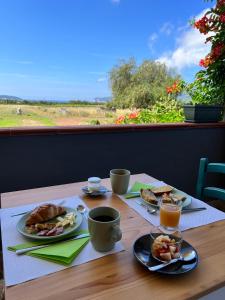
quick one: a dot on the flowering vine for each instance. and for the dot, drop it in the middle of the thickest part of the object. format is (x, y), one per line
(209, 84)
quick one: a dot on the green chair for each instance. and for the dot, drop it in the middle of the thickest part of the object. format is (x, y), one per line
(202, 192)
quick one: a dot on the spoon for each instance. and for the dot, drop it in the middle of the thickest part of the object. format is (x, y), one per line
(149, 210)
(186, 257)
(82, 209)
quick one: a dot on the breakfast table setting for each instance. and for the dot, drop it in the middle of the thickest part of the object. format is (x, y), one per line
(111, 238)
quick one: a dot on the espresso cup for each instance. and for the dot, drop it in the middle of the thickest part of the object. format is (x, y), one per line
(119, 180)
(103, 226)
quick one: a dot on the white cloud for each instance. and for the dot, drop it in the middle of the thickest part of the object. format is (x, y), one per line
(151, 40)
(167, 28)
(190, 49)
(101, 79)
(115, 1)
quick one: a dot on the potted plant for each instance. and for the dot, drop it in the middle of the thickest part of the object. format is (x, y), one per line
(207, 92)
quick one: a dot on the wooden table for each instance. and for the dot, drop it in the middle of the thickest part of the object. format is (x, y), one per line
(120, 276)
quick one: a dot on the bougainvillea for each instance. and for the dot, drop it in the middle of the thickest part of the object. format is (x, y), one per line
(211, 87)
(209, 84)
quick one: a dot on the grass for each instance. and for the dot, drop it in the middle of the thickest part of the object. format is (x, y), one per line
(55, 115)
(10, 122)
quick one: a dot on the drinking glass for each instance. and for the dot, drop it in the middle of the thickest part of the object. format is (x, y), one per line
(170, 216)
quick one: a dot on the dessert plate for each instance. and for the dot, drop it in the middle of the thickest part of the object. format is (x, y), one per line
(21, 227)
(142, 252)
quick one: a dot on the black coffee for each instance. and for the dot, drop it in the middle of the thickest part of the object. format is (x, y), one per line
(103, 218)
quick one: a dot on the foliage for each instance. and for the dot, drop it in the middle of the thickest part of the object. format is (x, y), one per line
(209, 85)
(165, 110)
(95, 122)
(139, 86)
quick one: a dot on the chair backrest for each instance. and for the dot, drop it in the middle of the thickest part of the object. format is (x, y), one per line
(201, 189)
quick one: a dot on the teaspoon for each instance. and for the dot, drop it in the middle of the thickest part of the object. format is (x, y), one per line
(82, 210)
(186, 257)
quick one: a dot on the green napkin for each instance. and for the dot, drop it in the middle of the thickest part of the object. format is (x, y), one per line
(61, 252)
(136, 188)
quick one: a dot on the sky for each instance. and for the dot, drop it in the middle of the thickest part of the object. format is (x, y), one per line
(64, 49)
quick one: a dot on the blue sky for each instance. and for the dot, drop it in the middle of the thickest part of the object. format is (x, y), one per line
(64, 49)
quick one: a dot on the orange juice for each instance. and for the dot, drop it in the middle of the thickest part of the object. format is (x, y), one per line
(169, 215)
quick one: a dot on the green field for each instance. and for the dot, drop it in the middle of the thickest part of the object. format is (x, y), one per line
(55, 115)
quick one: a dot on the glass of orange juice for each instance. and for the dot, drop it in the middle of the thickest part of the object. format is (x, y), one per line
(170, 216)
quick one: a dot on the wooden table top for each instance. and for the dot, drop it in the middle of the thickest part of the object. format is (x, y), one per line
(120, 276)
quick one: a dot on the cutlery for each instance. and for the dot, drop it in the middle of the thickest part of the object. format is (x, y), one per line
(186, 257)
(149, 210)
(186, 210)
(29, 211)
(22, 251)
(82, 209)
(134, 193)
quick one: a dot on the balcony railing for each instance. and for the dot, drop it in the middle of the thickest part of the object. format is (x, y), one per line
(36, 157)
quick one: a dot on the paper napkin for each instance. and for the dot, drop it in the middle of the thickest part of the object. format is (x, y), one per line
(63, 252)
(136, 188)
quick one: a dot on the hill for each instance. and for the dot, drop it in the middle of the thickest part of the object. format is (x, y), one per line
(11, 98)
(103, 99)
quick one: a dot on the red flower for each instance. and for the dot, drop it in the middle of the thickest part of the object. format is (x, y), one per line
(202, 25)
(206, 61)
(120, 120)
(217, 50)
(222, 18)
(169, 90)
(220, 3)
(202, 62)
(133, 115)
(175, 88)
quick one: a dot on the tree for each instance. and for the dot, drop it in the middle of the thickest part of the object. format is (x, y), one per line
(139, 86)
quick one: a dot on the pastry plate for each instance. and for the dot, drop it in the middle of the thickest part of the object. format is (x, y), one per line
(100, 192)
(142, 252)
(67, 230)
(186, 202)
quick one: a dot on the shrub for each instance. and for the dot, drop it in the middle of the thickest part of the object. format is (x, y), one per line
(165, 110)
(95, 122)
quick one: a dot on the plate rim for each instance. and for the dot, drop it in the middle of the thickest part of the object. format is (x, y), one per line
(48, 238)
(161, 270)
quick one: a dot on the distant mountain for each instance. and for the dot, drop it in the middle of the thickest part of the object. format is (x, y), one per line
(103, 99)
(7, 97)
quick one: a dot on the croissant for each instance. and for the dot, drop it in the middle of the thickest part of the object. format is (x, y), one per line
(44, 213)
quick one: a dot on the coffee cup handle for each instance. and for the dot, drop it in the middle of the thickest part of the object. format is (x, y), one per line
(117, 233)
